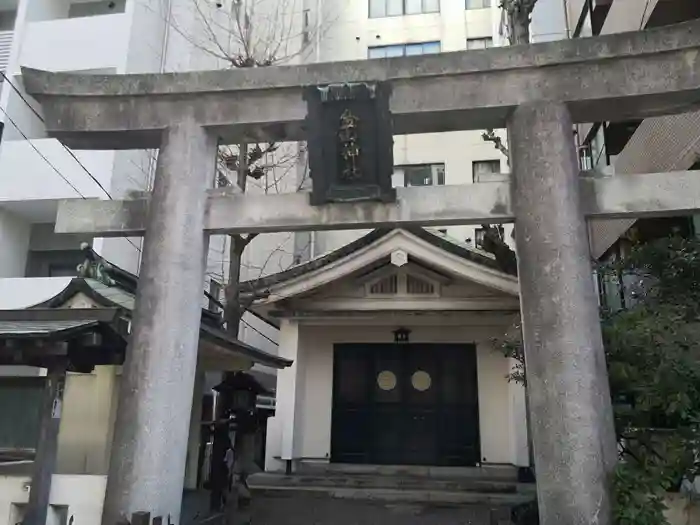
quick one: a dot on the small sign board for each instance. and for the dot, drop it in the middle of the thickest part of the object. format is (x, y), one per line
(350, 142)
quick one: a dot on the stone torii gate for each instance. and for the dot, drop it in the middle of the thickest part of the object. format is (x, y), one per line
(537, 91)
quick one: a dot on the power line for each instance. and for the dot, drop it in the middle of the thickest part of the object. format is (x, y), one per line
(41, 118)
(221, 305)
(41, 154)
(259, 332)
(644, 14)
(70, 152)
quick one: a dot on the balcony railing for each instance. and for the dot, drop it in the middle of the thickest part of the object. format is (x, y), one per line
(5, 48)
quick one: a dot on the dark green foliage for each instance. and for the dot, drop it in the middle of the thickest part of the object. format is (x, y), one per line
(653, 354)
(525, 514)
(652, 347)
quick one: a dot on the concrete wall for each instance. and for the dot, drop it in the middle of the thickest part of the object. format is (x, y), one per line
(682, 510)
(501, 405)
(39, 180)
(83, 43)
(80, 497)
(551, 21)
(14, 242)
(43, 237)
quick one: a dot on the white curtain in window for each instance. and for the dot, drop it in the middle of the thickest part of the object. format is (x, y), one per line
(377, 8)
(414, 49)
(414, 7)
(477, 4)
(488, 171)
(431, 6)
(394, 51)
(479, 43)
(394, 7)
(376, 52)
(431, 47)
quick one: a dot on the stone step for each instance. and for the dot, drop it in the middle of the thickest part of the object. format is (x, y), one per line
(371, 482)
(317, 508)
(417, 496)
(499, 472)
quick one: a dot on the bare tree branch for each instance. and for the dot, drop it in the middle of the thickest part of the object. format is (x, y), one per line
(490, 136)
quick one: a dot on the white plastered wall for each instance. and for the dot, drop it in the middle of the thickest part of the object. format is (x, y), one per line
(502, 422)
(82, 495)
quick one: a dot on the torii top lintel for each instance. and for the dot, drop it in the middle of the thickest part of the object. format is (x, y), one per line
(605, 78)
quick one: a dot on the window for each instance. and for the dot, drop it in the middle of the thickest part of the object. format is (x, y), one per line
(381, 8)
(215, 292)
(479, 234)
(306, 25)
(593, 153)
(103, 7)
(488, 171)
(7, 20)
(419, 175)
(478, 4)
(20, 406)
(400, 50)
(479, 43)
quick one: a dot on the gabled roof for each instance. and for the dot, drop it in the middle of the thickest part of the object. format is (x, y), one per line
(435, 238)
(115, 297)
(115, 283)
(114, 288)
(437, 250)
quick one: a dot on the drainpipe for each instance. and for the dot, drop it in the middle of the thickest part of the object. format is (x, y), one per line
(566, 18)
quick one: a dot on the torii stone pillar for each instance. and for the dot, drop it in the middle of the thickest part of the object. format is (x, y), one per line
(571, 410)
(147, 466)
(572, 421)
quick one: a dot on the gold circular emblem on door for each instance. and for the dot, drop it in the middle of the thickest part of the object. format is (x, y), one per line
(386, 380)
(421, 380)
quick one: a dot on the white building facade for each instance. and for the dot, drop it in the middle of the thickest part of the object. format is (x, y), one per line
(138, 36)
(142, 36)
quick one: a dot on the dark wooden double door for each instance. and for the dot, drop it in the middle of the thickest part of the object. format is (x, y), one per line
(405, 404)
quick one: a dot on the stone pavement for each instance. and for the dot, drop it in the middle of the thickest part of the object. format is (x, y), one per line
(320, 509)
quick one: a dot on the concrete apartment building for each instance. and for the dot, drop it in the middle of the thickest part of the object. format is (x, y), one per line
(36, 265)
(670, 143)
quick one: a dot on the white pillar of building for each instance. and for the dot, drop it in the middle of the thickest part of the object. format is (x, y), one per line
(289, 392)
(518, 421)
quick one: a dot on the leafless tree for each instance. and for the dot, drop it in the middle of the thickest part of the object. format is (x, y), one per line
(518, 15)
(256, 33)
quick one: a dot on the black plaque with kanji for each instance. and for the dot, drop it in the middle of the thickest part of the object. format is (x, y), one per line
(350, 143)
